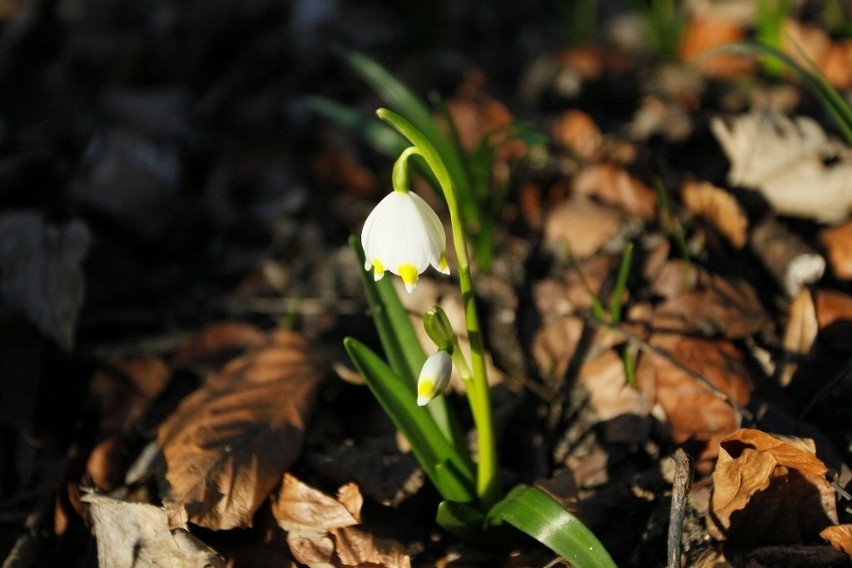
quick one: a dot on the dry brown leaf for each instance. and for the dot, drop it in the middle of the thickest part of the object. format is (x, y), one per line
(697, 301)
(838, 244)
(340, 169)
(576, 131)
(792, 162)
(705, 33)
(104, 465)
(800, 332)
(834, 315)
(609, 394)
(582, 225)
(615, 186)
(299, 505)
(225, 338)
(809, 44)
(839, 536)
(769, 490)
(137, 535)
(228, 443)
(692, 411)
(476, 116)
(719, 207)
(322, 530)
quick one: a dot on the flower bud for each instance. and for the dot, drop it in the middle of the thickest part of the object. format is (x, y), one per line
(438, 328)
(434, 377)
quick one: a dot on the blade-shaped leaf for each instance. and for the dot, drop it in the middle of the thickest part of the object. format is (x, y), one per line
(450, 471)
(378, 135)
(534, 512)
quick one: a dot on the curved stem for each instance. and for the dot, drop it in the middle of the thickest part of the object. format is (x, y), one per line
(487, 482)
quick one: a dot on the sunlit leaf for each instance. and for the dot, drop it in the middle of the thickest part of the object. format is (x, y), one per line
(534, 512)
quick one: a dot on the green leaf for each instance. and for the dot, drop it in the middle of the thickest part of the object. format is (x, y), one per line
(450, 471)
(534, 512)
(376, 133)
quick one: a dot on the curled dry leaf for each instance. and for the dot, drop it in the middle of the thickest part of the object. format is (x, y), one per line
(839, 536)
(779, 156)
(137, 535)
(693, 411)
(125, 388)
(769, 490)
(800, 332)
(615, 186)
(227, 444)
(322, 530)
(719, 207)
(838, 244)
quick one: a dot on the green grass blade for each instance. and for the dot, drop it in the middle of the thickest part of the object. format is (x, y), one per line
(620, 285)
(534, 512)
(450, 471)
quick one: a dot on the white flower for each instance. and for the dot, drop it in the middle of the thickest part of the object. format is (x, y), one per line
(434, 377)
(403, 235)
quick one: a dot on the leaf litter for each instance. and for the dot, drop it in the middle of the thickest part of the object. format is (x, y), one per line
(161, 278)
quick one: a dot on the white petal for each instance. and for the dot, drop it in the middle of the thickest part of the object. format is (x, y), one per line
(434, 377)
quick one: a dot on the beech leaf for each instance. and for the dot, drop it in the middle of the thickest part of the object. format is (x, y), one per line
(769, 490)
(228, 443)
(137, 535)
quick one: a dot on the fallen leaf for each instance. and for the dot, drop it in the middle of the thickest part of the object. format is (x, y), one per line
(322, 530)
(218, 340)
(779, 156)
(576, 131)
(838, 244)
(137, 535)
(800, 332)
(839, 536)
(41, 273)
(705, 33)
(809, 45)
(769, 490)
(719, 207)
(228, 443)
(609, 394)
(698, 301)
(124, 389)
(582, 225)
(692, 411)
(617, 187)
(299, 505)
(834, 317)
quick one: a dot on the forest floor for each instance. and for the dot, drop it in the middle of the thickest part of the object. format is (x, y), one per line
(176, 283)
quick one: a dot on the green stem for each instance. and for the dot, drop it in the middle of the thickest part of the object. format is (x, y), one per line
(487, 481)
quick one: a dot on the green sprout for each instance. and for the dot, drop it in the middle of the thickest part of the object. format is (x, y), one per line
(401, 237)
(664, 24)
(769, 26)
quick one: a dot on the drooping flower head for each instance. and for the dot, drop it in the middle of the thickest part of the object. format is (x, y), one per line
(404, 235)
(434, 377)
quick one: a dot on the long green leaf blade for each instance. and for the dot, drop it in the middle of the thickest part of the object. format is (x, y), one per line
(534, 512)
(449, 470)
